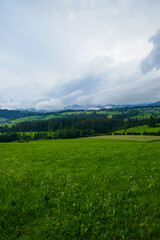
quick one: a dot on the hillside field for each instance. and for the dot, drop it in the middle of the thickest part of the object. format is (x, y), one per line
(80, 189)
(141, 129)
(136, 138)
(29, 118)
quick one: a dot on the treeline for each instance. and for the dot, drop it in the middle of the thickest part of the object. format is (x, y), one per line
(70, 128)
(59, 134)
(9, 137)
(59, 128)
(98, 125)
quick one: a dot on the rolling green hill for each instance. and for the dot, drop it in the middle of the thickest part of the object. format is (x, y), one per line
(136, 138)
(28, 118)
(3, 119)
(123, 113)
(141, 129)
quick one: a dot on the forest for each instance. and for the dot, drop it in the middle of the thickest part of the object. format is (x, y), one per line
(71, 127)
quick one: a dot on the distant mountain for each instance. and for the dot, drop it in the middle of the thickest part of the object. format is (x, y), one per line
(155, 104)
(98, 107)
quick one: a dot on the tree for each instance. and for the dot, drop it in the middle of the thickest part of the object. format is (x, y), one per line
(152, 122)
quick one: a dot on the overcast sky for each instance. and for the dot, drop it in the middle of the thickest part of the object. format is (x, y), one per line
(58, 53)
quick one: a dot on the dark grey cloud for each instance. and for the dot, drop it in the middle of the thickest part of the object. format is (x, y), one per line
(152, 61)
(86, 84)
(107, 82)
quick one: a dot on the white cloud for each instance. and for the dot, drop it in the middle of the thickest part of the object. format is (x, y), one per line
(50, 104)
(66, 52)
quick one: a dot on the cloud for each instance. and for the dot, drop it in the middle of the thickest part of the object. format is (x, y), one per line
(103, 79)
(108, 82)
(152, 61)
(50, 104)
(59, 53)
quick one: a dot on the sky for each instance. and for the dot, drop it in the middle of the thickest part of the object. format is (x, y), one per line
(59, 53)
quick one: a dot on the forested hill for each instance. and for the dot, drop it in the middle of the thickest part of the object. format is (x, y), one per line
(99, 124)
(14, 114)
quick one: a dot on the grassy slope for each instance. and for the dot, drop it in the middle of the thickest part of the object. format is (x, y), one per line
(141, 129)
(29, 118)
(137, 138)
(74, 113)
(51, 116)
(2, 119)
(80, 189)
(108, 113)
(143, 115)
(59, 115)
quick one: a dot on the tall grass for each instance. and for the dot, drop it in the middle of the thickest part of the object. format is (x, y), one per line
(80, 189)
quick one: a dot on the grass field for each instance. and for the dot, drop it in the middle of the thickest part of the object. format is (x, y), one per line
(80, 189)
(141, 129)
(137, 138)
(143, 115)
(108, 113)
(2, 119)
(51, 116)
(29, 118)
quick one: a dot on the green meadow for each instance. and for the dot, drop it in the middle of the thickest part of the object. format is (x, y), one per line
(141, 129)
(137, 138)
(2, 119)
(80, 189)
(143, 115)
(29, 118)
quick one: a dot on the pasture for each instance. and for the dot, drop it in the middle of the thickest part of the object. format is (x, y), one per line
(141, 129)
(137, 138)
(28, 118)
(80, 189)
